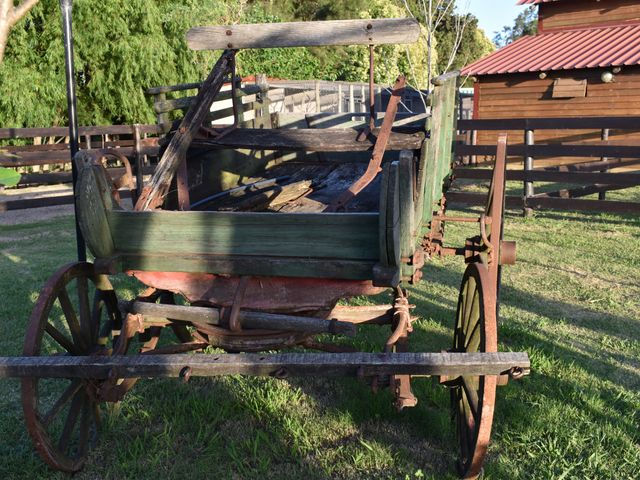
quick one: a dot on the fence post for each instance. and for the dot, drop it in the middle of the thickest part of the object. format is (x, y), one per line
(604, 136)
(363, 92)
(474, 141)
(352, 103)
(262, 118)
(318, 109)
(528, 166)
(339, 98)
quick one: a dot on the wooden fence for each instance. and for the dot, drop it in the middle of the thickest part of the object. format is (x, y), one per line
(575, 180)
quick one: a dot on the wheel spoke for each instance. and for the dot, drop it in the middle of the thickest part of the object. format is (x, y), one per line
(85, 424)
(95, 414)
(473, 339)
(470, 313)
(472, 398)
(70, 315)
(70, 423)
(69, 392)
(85, 311)
(62, 339)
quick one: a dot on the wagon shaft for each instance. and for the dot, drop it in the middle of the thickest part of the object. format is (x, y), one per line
(325, 364)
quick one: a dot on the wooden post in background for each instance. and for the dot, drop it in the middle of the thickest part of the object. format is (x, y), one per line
(528, 166)
(604, 136)
(352, 103)
(262, 117)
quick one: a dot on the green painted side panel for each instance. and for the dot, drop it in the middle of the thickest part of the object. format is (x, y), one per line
(303, 235)
(435, 161)
(255, 266)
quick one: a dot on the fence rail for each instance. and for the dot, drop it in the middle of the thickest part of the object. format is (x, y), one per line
(593, 176)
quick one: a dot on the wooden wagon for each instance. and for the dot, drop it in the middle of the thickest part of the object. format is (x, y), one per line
(261, 265)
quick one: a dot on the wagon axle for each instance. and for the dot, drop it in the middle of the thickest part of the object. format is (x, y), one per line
(357, 364)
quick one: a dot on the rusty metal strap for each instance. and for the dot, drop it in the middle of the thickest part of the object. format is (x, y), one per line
(373, 168)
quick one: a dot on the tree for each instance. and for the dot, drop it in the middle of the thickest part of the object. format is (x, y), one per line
(526, 23)
(454, 39)
(9, 16)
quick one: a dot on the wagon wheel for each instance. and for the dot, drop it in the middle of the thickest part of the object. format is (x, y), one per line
(63, 415)
(473, 397)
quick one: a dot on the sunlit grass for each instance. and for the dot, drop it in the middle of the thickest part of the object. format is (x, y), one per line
(572, 301)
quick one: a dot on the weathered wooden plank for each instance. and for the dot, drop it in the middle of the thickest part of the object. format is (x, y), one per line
(267, 266)
(61, 156)
(309, 140)
(248, 319)
(622, 179)
(580, 204)
(153, 194)
(94, 203)
(554, 150)
(577, 204)
(8, 205)
(305, 235)
(325, 364)
(64, 131)
(406, 186)
(164, 106)
(52, 178)
(579, 191)
(564, 123)
(305, 34)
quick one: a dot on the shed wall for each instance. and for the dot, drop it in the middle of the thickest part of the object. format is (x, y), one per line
(525, 95)
(581, 13)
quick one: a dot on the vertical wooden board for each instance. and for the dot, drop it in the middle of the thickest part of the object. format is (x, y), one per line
(93, 198)
(449, 127)
(382, 217)
(406, 177)
(424, 192)
(393, 216)
(431, 156)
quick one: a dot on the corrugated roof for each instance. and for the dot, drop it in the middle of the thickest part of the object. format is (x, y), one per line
(565, 50)
(533, 2)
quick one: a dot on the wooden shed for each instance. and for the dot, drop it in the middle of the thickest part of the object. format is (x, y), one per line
(584, 62)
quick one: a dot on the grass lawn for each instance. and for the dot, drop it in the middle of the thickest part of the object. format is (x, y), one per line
(572, 301)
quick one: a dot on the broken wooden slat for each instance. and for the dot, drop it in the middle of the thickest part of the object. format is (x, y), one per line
(305, 34)
(153, 194)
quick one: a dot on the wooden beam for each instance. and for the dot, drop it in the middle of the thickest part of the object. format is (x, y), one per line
(560, 123)
(249, 319)
(310, 140)
(555, 150)
(305, 34)
(622, 179)
(322, 364)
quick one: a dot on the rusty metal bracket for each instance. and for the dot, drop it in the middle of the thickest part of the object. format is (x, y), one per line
(234, 316)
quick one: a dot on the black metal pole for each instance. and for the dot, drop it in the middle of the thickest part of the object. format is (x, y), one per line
(66, 8)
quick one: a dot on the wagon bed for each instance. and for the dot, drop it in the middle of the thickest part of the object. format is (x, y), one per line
(260, 265)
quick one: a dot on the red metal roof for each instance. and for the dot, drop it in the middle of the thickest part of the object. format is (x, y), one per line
(532, 2)
(564, 50)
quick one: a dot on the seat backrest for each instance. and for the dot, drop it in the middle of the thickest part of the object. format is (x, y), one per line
(305, 34)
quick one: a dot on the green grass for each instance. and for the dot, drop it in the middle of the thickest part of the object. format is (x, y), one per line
(572, 301)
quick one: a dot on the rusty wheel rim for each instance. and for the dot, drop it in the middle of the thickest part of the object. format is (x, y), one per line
(473, 397)
(62, 416)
